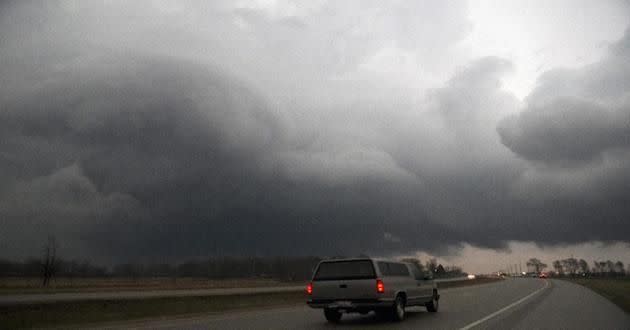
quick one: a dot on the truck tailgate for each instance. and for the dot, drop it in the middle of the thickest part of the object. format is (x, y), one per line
(344, 289)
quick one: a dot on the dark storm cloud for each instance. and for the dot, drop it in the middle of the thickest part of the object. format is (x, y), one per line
(127, 144)
(194, 155)
(168, 133)
(575, 132)
(567, 130)
(575, 115)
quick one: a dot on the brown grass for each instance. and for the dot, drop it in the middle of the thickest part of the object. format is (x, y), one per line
(33, 285)
(84, 312)
(616, 290)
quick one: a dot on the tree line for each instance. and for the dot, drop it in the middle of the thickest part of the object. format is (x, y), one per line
(281, 268)
(574, 267)
(436, 268)
(278, 268)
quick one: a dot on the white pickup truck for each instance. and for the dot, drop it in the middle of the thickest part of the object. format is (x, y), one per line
(363, 285)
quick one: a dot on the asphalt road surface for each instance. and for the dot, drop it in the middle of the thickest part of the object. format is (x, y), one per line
(509, 304)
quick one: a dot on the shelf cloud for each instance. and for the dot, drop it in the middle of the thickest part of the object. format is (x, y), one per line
(192, 129)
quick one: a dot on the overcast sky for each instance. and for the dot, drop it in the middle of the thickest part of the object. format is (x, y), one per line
(161, 130)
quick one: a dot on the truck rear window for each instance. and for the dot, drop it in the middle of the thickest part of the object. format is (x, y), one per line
(345, 270)
(393, 269)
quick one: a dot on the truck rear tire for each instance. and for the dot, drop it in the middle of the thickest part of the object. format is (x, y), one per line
(398, 311)
(434, 304)
(332, 315)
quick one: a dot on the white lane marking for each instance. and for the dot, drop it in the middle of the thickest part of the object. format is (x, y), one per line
(478, 322)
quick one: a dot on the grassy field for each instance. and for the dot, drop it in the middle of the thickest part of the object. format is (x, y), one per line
(616, 290)
(85, 312)
(76, 313)
(33, 285)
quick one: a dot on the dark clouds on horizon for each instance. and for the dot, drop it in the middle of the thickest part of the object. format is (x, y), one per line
(125, 152)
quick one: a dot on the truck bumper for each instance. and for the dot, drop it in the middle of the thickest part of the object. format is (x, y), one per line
(351, 305)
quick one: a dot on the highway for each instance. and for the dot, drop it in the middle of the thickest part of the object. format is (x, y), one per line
(509, 304)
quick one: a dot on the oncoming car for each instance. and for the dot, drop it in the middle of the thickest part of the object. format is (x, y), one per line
(362, 285)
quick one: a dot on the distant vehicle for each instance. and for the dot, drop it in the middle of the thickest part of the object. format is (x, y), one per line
(362, 285)
(543, 275)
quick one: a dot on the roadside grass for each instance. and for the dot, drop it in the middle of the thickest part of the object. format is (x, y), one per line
(616, 290)
(84, 312)
(79, 313)
(21, 285)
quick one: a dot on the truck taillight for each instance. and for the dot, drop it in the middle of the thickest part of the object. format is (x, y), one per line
(380, 287)
(309, 288)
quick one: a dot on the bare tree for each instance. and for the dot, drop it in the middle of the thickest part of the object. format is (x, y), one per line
(557, 265)
(598, 267)
(619, 268)
(536, 264)
(604, 268)
(570, 265)
(583, 266)
(49, 261)
(611, 267)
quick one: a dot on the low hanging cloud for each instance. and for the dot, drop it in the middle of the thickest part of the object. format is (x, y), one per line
(209, 168)
(64, 201)
(201, 157)
(137, 146)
